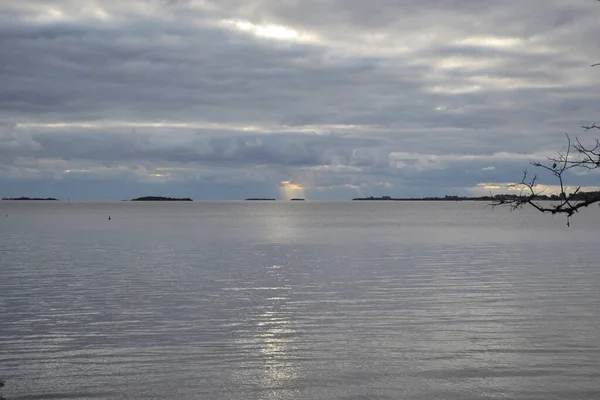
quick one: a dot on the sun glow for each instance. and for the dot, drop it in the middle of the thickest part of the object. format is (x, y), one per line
(291, 190)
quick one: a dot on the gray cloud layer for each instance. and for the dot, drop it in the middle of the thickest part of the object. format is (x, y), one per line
(339, 97)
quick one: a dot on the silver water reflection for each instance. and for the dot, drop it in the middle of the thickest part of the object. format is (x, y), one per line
(297, 301)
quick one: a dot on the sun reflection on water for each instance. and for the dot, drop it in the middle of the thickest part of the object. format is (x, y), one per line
(270, 336)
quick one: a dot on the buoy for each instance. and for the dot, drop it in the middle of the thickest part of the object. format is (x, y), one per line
(109, 218)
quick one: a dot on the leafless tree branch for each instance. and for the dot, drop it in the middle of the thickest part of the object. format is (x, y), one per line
(569, 201)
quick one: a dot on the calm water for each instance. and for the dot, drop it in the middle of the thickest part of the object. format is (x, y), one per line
(309, 300)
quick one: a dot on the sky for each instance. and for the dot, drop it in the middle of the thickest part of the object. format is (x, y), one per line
(321, 99)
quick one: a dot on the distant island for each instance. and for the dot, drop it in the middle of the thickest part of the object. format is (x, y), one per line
(581, 196)
(158, 198)
(445, 198)
(297, 199)
(29, 198)
(258, 199)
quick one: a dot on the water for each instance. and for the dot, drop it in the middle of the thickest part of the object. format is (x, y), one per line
(298, 300)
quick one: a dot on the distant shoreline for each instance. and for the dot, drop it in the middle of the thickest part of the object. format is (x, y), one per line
(581, 196)
(447, 198)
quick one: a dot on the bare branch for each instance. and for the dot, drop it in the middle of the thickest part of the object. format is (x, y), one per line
(592, 126)
(567, 202)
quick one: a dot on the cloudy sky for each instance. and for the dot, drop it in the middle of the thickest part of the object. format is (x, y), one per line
(324, 99)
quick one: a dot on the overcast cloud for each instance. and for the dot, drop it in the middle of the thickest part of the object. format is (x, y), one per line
(325, 99)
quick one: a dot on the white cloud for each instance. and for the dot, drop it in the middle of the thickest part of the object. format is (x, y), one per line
(271, 31)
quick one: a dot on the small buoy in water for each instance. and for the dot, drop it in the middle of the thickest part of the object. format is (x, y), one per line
(109, 218)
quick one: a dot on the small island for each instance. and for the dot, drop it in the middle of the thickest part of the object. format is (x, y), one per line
(258, 199)
(31, 198)
(297, 199)
(159, 198)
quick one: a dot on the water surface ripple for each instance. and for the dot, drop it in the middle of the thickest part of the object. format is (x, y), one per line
(297, 301)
